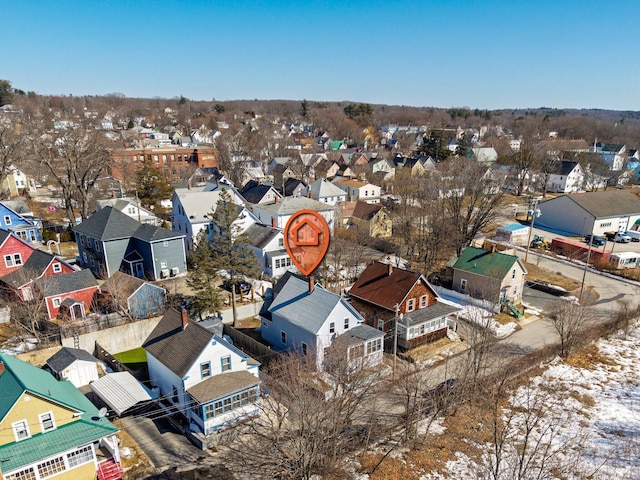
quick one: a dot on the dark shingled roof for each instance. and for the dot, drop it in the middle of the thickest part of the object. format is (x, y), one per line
(222, 385)
(66, 282)
(565, 167)
(608, 203)
(376, 286)
(34, 267)
(123, 284)
(108, 223)
(254, 193)
(260, 235)
(151, 233)
(66, 356)
(176, 348)
(425, 314)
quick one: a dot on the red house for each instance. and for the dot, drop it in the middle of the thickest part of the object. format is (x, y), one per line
(385, 295)
(39, 264)
(69, 294)
(14, 252)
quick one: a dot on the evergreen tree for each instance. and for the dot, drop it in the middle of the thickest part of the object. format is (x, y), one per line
(153, 186)
(203, 278)
(6, 92)
(230, 248)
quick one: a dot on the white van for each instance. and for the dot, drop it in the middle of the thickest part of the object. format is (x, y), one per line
(635, 236)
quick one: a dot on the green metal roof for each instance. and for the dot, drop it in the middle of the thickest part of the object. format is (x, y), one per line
(483, 262)
(19, 377)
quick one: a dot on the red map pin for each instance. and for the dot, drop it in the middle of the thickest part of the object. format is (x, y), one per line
(306, 238)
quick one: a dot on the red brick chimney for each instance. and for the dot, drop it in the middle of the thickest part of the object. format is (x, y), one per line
(273, 223)
(312, 283)
(185, 319)
(389, 269)
(311, 195)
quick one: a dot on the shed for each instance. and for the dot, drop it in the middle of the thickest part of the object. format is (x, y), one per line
(75, 365)
(514, 233)
(122, 292)
(120, 391)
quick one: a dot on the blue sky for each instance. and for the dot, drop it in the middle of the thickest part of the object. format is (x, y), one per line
(480, 54)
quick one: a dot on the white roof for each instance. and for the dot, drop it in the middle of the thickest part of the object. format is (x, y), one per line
(198, 204)
(625, 255)
(120, 391)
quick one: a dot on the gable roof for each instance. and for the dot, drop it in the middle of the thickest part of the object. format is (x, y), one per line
(66, 282)
(66, 356)
(486, 263)
(260, 235)
(321, 189)
(108, 223)
(222, 385)
(124, 284)
(386, 286)
(151, 233)
(199, 204)
(253, 193)
(290, 205)
(175, 348)
(564, 167)
(33, 268)
(293, 298)
(607, 203)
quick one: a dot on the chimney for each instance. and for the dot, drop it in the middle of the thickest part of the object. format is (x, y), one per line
(185, 319)
(273, 222)
(1, 367)
(276, 200)
(493, 248)
(311, 195)
(389, 269)
(312, 283)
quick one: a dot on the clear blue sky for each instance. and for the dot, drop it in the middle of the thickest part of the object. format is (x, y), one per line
(481, 54)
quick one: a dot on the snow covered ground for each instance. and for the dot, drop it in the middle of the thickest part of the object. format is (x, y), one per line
(584, 421)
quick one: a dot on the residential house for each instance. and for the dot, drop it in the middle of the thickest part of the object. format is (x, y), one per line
(382, 169)
(209, 381)
(254, 192)
(325, 192)
(51, 429)
(132, 296)
(278, 213)
(192, 209)
(16, 182)
(613, 155)
(131, 207)
(267, 244)
(294, 187)
(306, 318)
(490, 275)
(371, 218)
(591, 212)
(75, 365)
(18, 283)
(326, 169)
(281, 173)
(68, 294)
(566, 177)
(357, 190)
(484, 154)
(109, 241)
(26, 228)
(15, 252)
(385, 296)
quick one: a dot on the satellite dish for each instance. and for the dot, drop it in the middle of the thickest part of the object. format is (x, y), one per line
(102, 412)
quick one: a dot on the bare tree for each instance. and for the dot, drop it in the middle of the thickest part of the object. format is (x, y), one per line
(12, 148)
(571, 320)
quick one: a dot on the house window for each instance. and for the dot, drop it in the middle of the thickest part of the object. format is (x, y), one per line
(423, 301)
(374, 346)
(131, 210)
(7, 220)
(97, 246)
(205, 370)
(174, 395)
(225, 363)
(304, 349)
(163, 264)
(26, 474)
(346, 324)
(13, 260)
(135, 159)
(381, 325)
(46, 422)
(156, 159)
(281, 242)
(21, 430)
(283, 337)
(82, 239)
(463, 284)
(332, 327)
(80, 456)
(164, 158)
(513, 274)
(56, 302)
(51, 467)
(165, 243)
(411, 305)
(57, 268)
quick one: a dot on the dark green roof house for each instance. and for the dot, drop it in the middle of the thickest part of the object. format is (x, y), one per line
(51, 428)
(490, 275)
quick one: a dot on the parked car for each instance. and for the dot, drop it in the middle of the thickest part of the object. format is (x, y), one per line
(622, 237)
(242, 286)
(635, 236)
(596, 241)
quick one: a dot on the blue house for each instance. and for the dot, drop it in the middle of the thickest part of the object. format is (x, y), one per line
(12, 221)
(132, 296)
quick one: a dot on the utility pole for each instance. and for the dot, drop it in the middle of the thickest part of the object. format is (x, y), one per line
(535, 212)
(586, 266)
(395, 342)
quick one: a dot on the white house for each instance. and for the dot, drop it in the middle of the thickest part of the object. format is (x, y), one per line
(130, 207)
(77, 366)
(357, 190)
(192, 208)
(210, 382)
(278, 213)
(325, 192)
(267, 244)
(306, 318)
(567, 177)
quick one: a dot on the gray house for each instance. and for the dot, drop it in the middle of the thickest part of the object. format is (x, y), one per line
(133, 296)
(110, 241)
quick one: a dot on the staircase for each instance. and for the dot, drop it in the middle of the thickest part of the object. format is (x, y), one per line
(109, 470)
(513, 309)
